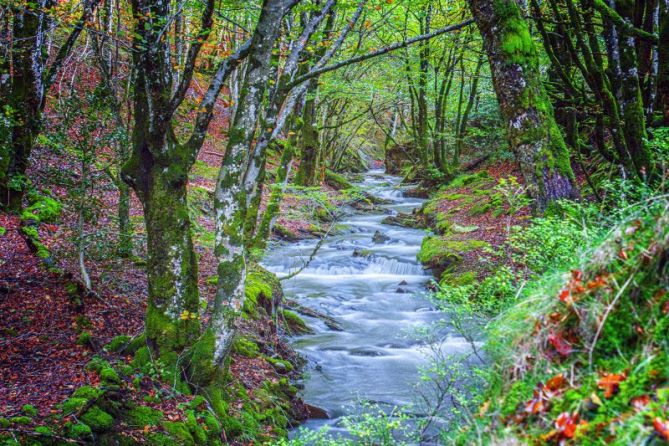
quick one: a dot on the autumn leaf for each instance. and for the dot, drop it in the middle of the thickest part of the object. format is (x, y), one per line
(566, 424)
(609, 383)
(556, 382)
(561, 345)
(661, 427)
(640, 402)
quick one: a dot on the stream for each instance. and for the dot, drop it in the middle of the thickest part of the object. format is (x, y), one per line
(378, 299)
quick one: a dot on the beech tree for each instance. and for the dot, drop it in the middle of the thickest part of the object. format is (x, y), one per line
(533, 133)
(26, 74)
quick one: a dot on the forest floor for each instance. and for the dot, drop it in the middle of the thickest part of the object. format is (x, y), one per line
(50, 332)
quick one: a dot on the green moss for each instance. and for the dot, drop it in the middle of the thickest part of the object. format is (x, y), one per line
(84, 338)
(294, 323)
(144, 416)
(436, 250)
(42, 209)
(118, 343)
(337, 181)
(87, 392)
(245, 347)
(4, 422)
(231, 426)
(20, 420)
(280, 365)
(213, 426)
(97, 419)
(179, 432)
(284, 233)
(3, 231)
(79, 430)
(109, 376)
(204, 170)
(44, 430)
(202, 368)
(73, 405)
(478, 178)
(458, 279)
(29, 410)
(257, 285)
(142, 357)
(480, 209)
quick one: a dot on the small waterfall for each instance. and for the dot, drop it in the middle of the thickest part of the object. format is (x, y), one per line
(374, 291)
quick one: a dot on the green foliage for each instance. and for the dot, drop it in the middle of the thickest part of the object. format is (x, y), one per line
(592, 310)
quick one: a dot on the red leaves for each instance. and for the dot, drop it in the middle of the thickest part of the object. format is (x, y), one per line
(560, 344)
(566, 424)
(543, 393)
(661, 428)
(610, 382)
(556, 383)
(569, 294)
(640, 402)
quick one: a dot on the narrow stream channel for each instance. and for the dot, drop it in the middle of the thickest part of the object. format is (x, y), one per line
(377, 298)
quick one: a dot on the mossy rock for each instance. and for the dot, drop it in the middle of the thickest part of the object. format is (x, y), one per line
(87, 392)
(294, 323)
(141, 416)
(245, 347)
(404, 220)
(109, 376)
(29, 410)
(79, 431)
(480, 209)
(284, 233)
(337, 181)
(85, 338)
(477, 178)
(21, 420)
(179, 432)
(458, 279)
(73, 405)
(262, 288)
(97, 419)
(118, 343)
(441, 253)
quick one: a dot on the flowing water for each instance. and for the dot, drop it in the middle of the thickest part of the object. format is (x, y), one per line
(378, 300)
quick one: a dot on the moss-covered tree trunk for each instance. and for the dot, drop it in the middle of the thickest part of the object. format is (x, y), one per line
(24, 100)
(24, 89)
(663, 63)
(273, 206)
(230, 198)
(533, 134)
(308, 172)
(630, 93)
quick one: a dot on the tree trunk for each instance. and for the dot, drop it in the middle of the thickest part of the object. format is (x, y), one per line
(124, 225)
(307, 174)
(663, 63)
(25, 100)
(533, 134)
(172, 322)
(631, 100)
(230, 198)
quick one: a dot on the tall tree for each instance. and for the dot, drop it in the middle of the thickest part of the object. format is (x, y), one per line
(533, 134)
(26, 74)
(158, 169)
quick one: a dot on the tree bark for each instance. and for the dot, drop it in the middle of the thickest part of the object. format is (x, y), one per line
(230, 198)
(663, 63)
(534, 136)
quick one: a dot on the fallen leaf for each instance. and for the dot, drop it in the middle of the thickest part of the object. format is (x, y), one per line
(609, 382)
(640, 402)
(661, 427)
(561, 345)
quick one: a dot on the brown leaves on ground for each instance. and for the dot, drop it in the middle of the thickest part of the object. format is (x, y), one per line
(610, 383)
